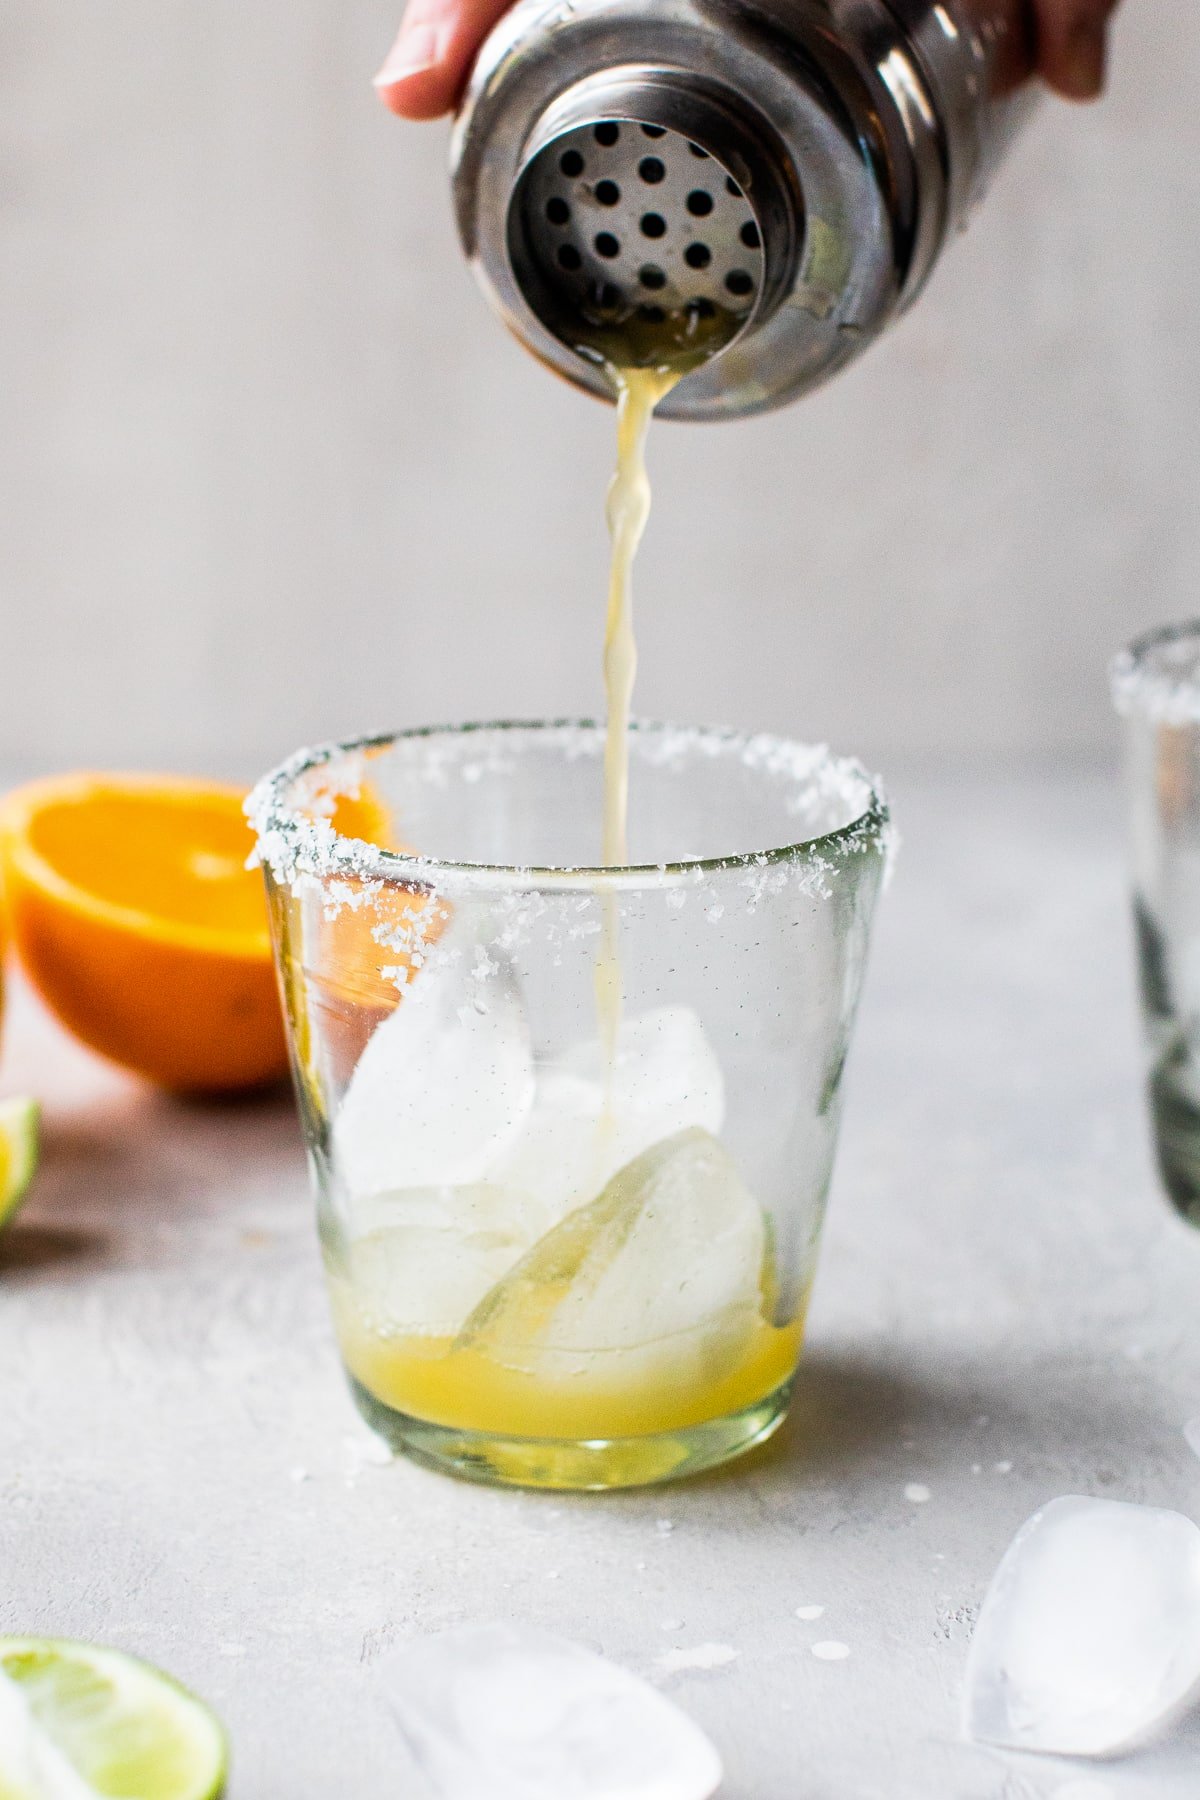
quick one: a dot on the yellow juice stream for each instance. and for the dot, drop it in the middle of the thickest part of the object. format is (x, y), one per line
(658, 1387)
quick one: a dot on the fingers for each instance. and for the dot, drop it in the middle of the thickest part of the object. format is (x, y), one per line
(1073, 45)
(427, 66)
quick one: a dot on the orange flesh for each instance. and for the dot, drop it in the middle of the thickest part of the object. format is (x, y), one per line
(179, 861)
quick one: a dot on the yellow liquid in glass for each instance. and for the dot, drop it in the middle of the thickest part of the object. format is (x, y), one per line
(654, 1389)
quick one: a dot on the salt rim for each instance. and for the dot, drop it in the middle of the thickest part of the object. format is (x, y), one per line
(1140, 688)
(297, 847)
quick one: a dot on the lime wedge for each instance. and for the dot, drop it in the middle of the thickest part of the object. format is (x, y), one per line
(78, 1723)
(18, 1155)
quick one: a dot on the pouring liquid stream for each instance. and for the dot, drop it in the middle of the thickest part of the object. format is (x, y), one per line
(639, 391)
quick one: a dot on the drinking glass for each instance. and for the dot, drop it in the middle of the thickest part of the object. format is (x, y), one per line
(1156, 689)
(570, 1128)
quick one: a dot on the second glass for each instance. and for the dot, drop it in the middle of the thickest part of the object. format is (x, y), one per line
(571, 1129)
(1156, 688)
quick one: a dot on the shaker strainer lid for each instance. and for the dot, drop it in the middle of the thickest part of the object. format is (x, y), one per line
(633, 241)
(640, 222)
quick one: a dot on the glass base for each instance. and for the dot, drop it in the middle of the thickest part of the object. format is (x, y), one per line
(591, 1466)
(1177, 1140)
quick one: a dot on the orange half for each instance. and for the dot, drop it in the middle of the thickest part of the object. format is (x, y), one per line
(136, 919)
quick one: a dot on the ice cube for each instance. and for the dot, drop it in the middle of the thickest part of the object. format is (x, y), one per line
(497, 1712)
(674, 1245)
(1089, 1638)
(664, 1067)
(588, 1121)
(445, 1081)
(422, 1259)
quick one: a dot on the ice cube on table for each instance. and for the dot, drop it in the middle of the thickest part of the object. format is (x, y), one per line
(422, 1259)
(587, 1121)
(1089, 1638)
(675, 1244)
(446, 1080)
(498, 1712)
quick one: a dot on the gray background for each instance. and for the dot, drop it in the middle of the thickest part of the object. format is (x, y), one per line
(270, 471)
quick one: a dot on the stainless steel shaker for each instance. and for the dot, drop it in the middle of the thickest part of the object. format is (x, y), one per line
(773, 179)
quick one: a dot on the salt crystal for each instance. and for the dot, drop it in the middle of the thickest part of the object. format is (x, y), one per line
(830, 1650)
(664, 1527)
(1089, 1637)
(298, 1474)
(496, 1712)
(232, 1649)
(368, 1451)
(809, 1612)
(1003, 1468)
(918, 1493)
(671, 1625)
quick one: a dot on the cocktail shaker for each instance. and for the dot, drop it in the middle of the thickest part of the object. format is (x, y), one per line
(752, 190)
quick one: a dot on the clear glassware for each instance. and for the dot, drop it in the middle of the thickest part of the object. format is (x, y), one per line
(1156, 689)
(571, 1129)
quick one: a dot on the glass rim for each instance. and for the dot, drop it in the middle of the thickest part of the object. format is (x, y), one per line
(291, 843)
(1138, 687)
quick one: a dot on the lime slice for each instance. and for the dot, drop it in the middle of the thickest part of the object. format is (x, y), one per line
(78, 1722)
(18, 1154)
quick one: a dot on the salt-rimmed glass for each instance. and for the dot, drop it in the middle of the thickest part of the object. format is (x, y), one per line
(1156, 688)
(550, 1264)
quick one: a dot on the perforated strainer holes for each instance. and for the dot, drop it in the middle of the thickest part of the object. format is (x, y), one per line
(617, 217)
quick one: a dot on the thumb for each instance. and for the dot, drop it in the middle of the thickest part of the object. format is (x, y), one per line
(427, 67)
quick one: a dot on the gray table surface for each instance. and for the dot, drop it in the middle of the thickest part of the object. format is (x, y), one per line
(1006, 1312)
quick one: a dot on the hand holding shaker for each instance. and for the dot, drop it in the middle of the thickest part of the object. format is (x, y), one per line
(773, 181)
